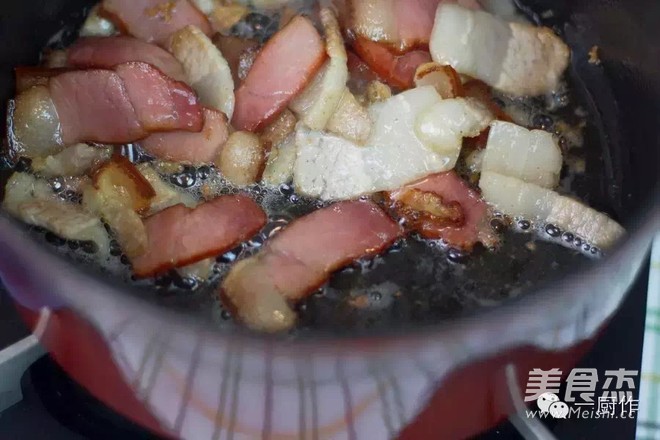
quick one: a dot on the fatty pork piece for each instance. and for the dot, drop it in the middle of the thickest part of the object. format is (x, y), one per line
(327, 103)
(515, 58)
(414, 134)
(32, 201)
(280, 164)
(105, 106)
(107, 52)
(318, 102)
(290, 266)
(154, 21)
(166, 194)
(517, 198)
(206, 70)
(119, 194)
(97, 26)
(76, 160)
(242, 158)
(400, 24)
(533, 156)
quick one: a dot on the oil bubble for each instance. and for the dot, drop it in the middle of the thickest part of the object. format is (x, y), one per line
(375, 296)
(186, 283)
(185, 179)
(54, 239)
(286, 190)
(497, 225)
(456, 256)
(552, 231)
(115, 249)
(56, 184)
(203, 172)
(542, 121)
(89, 247)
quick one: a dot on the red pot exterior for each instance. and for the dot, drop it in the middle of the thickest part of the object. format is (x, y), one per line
(470, 400)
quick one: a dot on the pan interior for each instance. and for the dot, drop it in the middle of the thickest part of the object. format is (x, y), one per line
(417, 282)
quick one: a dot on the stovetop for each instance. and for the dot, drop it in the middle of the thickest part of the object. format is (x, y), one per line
(56, 408)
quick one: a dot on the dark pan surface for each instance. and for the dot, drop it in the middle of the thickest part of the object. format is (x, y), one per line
(415, 284)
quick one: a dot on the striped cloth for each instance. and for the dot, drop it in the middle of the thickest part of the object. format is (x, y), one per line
(648, 421)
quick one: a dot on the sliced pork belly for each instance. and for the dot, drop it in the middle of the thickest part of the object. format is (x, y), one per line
(285, 65)
(397, 70)
(207, 71)
(321, 98)
(398, 151)
(301, 258)
(400, 24)
(121, 106)
(74, 160)
(533, 156)
(154, 21)
(107, 52)
(517, 198)
(33, 201)
(179, 236)
(194, 148)
(516, 58)
(419, 203)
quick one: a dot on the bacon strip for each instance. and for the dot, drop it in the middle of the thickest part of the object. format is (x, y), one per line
(401, 25)
(107, 52)
(154, 20)
(453, 191)
(282, 69)
(179, 236)
(161, 103)
(195, 148)
(122, 106)
(397, 70)
(301, 258)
